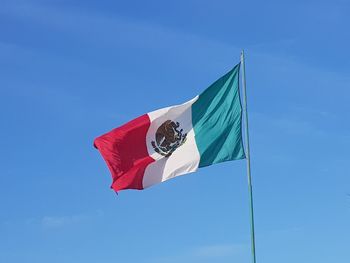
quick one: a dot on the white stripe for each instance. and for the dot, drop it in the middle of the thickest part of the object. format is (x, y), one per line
(185, 159)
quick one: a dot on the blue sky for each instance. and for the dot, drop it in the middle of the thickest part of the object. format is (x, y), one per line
(72, 70)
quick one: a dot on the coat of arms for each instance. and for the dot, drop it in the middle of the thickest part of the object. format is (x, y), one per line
(168, 138)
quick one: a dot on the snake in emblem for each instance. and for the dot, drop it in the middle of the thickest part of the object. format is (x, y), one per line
(168, 138)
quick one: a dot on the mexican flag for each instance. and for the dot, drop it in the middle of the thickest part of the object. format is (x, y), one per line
(177, 140)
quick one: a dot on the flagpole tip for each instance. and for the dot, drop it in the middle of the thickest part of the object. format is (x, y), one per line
(242, 55)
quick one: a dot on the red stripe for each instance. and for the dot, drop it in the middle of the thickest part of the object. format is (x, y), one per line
(125, 151)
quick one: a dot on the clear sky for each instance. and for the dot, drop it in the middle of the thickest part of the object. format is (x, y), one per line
(72, 70)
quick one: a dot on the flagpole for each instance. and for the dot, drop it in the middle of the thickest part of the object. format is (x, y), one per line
(247, 151)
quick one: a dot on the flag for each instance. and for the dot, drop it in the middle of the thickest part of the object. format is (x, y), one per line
(177, 140)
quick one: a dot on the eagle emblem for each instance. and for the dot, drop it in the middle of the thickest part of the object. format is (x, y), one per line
(168, 138)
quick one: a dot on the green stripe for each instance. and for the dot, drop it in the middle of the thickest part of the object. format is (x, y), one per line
(216, 119)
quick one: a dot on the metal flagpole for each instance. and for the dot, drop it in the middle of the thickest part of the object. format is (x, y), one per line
(248, 159)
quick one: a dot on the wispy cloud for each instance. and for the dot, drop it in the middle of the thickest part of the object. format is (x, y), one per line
(208, 253)
(119, 32)
(61, 221)
(66, 220)
(53, 221)
(217, 251)
(286, 125)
